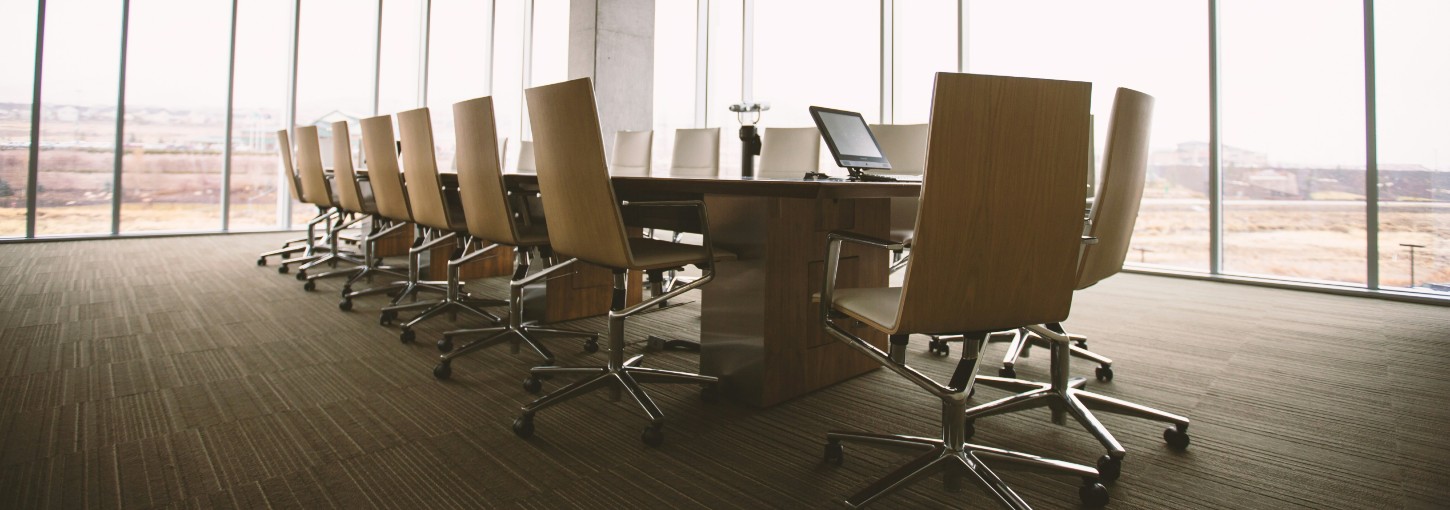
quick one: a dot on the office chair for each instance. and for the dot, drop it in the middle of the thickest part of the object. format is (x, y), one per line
(788, 153)
(386, 179)
(354, 195)
(904, 145)
(632, 153)
(346, 198)
(1115, 209)
(696, 153)
(1005, 262)
(585, 223)
(302, 244)
(440, 218)
(317, 190)
(493, 216)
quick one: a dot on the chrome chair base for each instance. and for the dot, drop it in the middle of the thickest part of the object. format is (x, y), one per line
(454, 299)
(1065, 396)
(516, 330)
(618, 374)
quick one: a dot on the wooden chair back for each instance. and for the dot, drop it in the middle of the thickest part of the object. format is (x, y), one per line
(480, 179)
(349, 194)
(284, 149)
(1115, 208)
(1000, 223)
(315, 189)
(579, 201)
(425, 188)
(632, 153)
(380, 149)
(697, 153)
(788, 153)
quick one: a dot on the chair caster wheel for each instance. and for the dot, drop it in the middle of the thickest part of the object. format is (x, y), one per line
(387, 317)
(445, 345)
(710, 393)
(939, 347)
(653, 435)
(533, 385)
(1007, 372)
(1081, 344)
(1109, 468)
(346, 289)
(407, 336)
(969, 430)
(301, 275)
(524, 426)
(1093, 494)
(591, 345)
(309, 286)
(262, 261)
(1177, 438)
(443, 371)
(282, 269)
(835, 454)
(344, 305)
(1105, 374)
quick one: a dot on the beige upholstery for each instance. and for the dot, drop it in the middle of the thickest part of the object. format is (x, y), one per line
(349, 192)
(425, 188)
(284, 149)
(1020, 169)
(383, 173)
(315, 189)
(526, 162)
(788, 153)
(480, 180)
(632, 153)
(1115, 212)
(874, 306)
(697, 153)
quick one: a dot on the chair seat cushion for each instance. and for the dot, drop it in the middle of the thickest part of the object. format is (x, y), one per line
(656, 254)
(902, 236)
(874, 306)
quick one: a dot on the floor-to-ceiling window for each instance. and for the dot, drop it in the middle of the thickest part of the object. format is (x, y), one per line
(508, 77)
(17, 35)
(1413, 143)
(176, 106)
(725, 56)
(676, 39)
(459, 46)
(1104, 43)
(78, 117)
(924, 42)
(335, 71)
(259, 110)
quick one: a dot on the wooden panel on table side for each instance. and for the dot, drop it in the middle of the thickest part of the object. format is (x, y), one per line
(501, 264)
(797, 361)
(396, 244)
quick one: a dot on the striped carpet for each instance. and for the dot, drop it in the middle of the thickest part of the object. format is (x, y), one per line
(173, 372)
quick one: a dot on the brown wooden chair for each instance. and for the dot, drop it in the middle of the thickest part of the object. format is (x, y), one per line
(1012, 148)
(318, 191)
(1115, 210)
(585, 223)
(306, 245)
(440, 219)
(497, 216)
(356, 201)
(391, 195)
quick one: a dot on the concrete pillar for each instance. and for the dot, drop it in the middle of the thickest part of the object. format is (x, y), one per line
(612, 41)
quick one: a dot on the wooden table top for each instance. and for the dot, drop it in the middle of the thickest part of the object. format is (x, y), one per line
(750, 186)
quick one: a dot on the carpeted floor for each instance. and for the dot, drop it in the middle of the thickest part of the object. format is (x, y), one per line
(174, 372)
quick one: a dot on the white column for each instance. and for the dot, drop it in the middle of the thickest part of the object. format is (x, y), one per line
(612, 41)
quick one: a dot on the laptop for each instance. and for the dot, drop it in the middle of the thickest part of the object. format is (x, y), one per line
(852, 144)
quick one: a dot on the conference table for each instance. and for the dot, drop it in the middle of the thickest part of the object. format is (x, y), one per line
(759, 326)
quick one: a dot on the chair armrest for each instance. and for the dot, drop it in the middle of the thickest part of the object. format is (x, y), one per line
(846, 235)
(1089, 240)
(833, 260)
(699, 206)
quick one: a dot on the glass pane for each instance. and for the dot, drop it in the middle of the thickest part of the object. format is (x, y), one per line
(458, 70)
(724, 75)
(78, 119)
(17, 34)
(1293, 135)
(1103, 42)
(176, 99)
(1414, 144)
(548, 48)
(402, 56)
(924, 43)
(259, 109)
(674, 80)
(508, 76)
(334, 71)
(834, 77)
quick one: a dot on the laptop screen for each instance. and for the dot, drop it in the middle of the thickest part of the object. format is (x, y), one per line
(849, 138)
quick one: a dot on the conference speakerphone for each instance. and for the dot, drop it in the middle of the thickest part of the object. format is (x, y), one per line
(852, 144)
